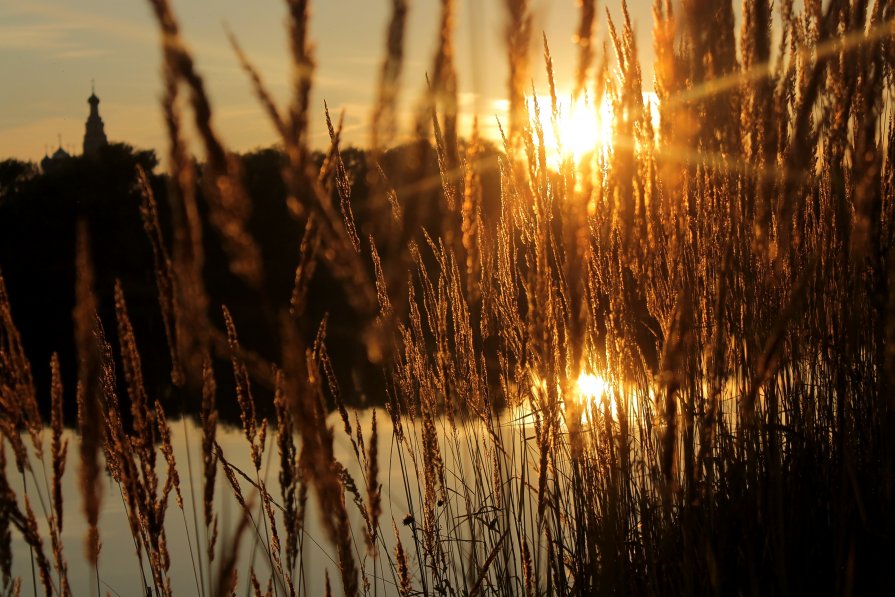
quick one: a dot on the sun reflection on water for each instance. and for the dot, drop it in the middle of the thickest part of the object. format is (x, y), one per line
(590, 396)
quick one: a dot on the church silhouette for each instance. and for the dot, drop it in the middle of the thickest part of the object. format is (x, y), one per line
(94, 137)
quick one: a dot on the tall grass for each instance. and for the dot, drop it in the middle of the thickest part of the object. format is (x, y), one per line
(728, 276)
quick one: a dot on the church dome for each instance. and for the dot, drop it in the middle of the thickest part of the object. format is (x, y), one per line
(49, 162)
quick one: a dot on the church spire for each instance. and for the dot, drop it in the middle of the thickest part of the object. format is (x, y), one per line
(95, 134)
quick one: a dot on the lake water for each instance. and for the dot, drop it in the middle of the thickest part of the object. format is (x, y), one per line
(470, 514)
(119, 567)
(464, 448)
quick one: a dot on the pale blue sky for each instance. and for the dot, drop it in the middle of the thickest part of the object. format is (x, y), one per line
(51, 49)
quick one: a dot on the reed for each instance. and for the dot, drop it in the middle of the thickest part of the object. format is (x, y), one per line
(665, 367)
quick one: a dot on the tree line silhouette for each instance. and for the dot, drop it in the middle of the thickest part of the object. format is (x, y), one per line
(40, 212)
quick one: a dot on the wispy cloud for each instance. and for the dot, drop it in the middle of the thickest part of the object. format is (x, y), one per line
(60, 26)
(61, 17)
(48, 32)
(44, 36)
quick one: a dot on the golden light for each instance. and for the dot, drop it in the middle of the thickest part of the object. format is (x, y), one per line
(592, 391)
(590, 394)
(580, 127)
(591, 386)
(584, 129)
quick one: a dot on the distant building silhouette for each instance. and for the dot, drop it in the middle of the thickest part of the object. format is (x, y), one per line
(94, 137)
(51, 161)
(95, 134)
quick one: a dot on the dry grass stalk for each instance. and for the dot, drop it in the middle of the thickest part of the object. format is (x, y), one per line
(88, 393)
(307, 265)
(255, 434)
(384, 125)
(190, 305)
(343, 184)
(229, 204)
(584, 38)
(302, 76)
(261, 92)
(28, 527)
(304, 394)
(405, 585)
(289, 475)
(134, 454)
(444, 89)
(11, 515)
(374, 490)
(772, 384)
(17, 394)
(227, 574)
(306, 195)
(58, 453)
(8, 501)
(209, 417)
(164, 273)
(167, 449)
(518, 38)
(471, 216)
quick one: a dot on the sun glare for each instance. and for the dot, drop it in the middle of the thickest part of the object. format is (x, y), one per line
(580, 128)
(591, 396)
(592, 390)
(591, 386)
(583, 129)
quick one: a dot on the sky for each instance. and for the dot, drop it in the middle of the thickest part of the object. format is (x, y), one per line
(51, 50)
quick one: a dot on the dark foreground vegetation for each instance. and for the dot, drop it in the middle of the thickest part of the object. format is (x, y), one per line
(728, 276)
(40, 213)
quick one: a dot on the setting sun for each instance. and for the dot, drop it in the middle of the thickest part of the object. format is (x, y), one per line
(592, 389)
(584, 128)
(591, 386)
(580, 128)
